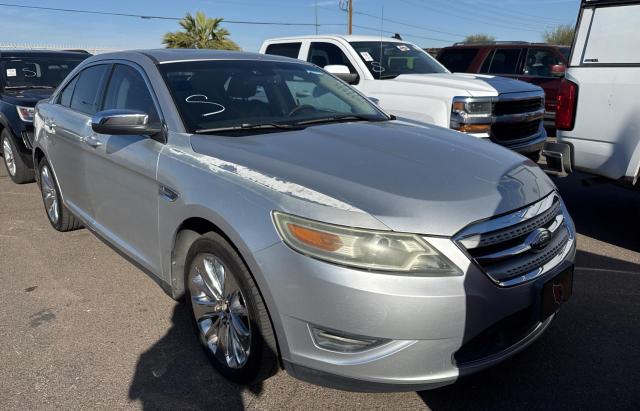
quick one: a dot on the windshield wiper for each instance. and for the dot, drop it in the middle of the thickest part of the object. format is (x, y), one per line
(335, 119)
(19, 87)
(244, 127)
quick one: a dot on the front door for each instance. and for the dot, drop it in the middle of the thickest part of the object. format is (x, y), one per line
(122, 177)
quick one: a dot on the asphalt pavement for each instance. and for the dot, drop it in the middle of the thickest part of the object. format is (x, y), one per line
(81, 328)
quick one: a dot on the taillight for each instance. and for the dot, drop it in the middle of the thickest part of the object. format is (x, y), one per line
(566, 105)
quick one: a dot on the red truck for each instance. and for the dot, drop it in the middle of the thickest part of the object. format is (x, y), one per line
(538, 63)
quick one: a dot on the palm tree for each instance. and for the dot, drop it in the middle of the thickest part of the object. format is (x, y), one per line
(200, 32)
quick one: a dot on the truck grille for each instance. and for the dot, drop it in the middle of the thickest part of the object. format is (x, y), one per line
(502, 108)
(514, 131)
(523, 245)
(517, 120)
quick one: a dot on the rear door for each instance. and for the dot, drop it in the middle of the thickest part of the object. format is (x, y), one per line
(605, 64)
(68, 122)
(122, 172)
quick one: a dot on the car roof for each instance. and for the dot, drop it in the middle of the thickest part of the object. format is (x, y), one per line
(43, 53)
(501, 44)
(161, 56)
(352, 37)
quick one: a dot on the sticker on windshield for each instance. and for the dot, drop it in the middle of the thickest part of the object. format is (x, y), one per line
(11, 73)
(402, 47)
(366, 56)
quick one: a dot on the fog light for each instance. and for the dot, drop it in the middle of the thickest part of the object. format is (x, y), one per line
(341, 342)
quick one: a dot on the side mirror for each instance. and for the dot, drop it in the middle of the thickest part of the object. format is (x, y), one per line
(558, 70)
(123, 122)
(342, 72)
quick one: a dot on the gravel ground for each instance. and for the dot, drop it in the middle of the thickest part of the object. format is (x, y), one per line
(81, 328)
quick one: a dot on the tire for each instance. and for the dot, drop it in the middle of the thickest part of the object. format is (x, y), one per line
(231, 313)
(59, 216)
(19, 172)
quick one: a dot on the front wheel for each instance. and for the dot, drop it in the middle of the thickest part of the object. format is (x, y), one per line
(19, 172)
(229, 315)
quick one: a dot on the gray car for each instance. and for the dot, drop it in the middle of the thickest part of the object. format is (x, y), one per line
(306, 228)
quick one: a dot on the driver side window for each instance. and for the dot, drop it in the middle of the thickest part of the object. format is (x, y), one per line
(324, 54)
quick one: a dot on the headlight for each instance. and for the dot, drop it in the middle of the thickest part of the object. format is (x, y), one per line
(466, 107)
(365, 249)
(471, 116)
(26, 113)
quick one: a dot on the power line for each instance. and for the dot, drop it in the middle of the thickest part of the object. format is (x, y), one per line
(152, 17)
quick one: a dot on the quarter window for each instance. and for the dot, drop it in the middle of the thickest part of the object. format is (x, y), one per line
(284, 49)
(128, 90)
(67, 93)
(85, 95)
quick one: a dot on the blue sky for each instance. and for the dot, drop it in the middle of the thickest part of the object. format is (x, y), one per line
(428, 23)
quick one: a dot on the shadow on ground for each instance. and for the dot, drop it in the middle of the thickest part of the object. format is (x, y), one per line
(175, 374)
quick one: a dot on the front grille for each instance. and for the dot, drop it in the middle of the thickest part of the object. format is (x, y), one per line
(507, 107)
(522, 245)
(515, 131)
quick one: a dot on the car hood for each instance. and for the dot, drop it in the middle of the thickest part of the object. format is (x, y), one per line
(25, 97)
(412, 178)
(470, 83)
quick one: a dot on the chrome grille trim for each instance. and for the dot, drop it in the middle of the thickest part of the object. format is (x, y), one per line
(505, 249)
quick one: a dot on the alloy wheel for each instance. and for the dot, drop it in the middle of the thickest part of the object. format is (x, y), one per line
(220, 311)
(9, 159)
(49, 194)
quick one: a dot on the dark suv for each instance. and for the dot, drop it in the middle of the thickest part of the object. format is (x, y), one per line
(538, 63)
(27, 77)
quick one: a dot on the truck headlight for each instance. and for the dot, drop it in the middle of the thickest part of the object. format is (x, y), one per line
(26, 113)
(360, 248)
(471, 115)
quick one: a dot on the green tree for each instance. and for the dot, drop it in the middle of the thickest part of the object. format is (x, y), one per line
(200, 32)
(561, 35)
(479, 38)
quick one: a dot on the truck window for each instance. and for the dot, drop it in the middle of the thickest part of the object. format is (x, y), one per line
(613, 38)
(539, 62)
(284, 49)
(324, 54)
(504, 61)
(390, 59)
(458, 60)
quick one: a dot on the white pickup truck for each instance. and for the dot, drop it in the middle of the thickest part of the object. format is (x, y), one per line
(597, 118)
(404, 80)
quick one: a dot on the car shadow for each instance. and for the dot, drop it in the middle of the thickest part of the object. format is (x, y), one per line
(603, 211)
(589, 358)
(175, 373)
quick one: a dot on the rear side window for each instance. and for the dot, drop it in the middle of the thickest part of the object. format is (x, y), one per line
(67, 92)
(504, 61)
(458, 60)
(539, 62)
(85, 95)
(613, 38)
(128, 90)
(284, 49)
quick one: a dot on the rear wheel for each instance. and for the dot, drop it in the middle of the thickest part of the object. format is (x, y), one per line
(229, 315)
(59, 216)
(19, 172)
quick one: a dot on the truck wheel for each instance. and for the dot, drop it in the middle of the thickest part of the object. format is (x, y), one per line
(59, 216)
(229, 315)
(19, 172)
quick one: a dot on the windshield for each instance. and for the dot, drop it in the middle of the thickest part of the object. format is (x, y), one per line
(386, 59)
(242, 93)
(36, 72)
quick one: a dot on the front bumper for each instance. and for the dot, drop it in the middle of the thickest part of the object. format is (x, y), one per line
(427, 320)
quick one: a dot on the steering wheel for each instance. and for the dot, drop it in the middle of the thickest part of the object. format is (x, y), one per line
(301, 109)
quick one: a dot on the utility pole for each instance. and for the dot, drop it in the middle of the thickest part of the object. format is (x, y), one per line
(350, 16)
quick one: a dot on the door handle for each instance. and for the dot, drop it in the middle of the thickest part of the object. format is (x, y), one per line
(92, 141)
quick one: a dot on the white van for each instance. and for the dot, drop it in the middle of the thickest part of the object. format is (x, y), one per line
(598, 114)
